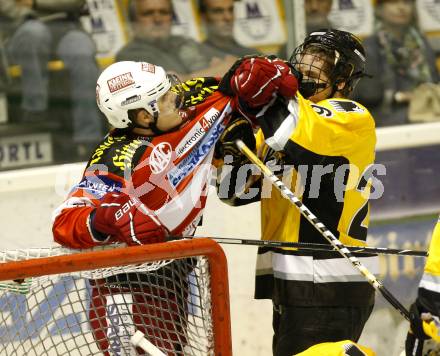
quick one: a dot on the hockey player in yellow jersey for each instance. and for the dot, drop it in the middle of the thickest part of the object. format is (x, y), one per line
(341, 348)
(323, 144)
(425, 311)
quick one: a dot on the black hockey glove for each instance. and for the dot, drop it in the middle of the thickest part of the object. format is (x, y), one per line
(413, 345)
(237, 129)
(415, 312)
(416, 336)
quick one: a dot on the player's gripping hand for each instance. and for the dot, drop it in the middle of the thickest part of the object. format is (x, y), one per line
(126, 219)
(256, 80)
(423, 324)
(238, 128)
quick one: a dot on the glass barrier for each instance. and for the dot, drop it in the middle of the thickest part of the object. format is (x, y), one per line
(52, 52)
(51, 56)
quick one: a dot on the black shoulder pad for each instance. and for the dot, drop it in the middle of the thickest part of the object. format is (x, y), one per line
(274, 117)
(118, 152)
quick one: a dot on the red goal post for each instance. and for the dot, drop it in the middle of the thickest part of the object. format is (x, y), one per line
(176, 293)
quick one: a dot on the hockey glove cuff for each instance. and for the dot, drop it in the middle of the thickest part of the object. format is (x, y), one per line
(423, 324)
(126, 219)
(238, 128)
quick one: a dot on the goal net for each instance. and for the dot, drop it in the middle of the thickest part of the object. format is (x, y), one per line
(55, 301)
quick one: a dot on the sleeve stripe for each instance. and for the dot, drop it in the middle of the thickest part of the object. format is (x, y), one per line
(430, 282)
(279, 139)
(73, 202)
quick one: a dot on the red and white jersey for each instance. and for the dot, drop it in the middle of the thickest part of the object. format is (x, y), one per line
(169, 173)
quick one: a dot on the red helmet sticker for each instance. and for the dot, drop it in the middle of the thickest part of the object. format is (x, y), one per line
(120, 82)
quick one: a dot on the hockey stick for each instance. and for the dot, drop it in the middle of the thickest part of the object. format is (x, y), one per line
(139, 340)
(317, 247)
(338, 245)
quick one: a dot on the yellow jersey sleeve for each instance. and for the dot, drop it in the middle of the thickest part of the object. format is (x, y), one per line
(432, 266)
(429, 287)
(430, 281)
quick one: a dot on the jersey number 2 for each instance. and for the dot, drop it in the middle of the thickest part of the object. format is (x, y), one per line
(358, 229)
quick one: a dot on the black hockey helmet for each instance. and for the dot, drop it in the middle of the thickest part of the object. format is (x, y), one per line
(344, 56)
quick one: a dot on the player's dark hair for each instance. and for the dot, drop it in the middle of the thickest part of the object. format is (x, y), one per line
(341, 50)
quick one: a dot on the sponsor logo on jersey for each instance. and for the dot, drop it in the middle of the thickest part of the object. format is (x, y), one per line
(131, 100)
(201, 150)
(117, 152)
(124, 156)
(120, 82)
(346, 106)
(103, 147)
(209, 118)
(160, 157)
(148, 67)
(190, 139)
(197, 132)
(99, 185)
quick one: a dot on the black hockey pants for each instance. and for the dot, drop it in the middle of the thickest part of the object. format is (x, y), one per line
(298, 328)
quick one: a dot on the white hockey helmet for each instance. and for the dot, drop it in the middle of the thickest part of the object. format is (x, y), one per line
(129, 85)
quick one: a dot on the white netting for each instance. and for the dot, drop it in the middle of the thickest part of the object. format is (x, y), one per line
(95, 312)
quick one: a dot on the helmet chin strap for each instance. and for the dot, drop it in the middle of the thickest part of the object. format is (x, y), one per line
(153, 126)
(334, 90)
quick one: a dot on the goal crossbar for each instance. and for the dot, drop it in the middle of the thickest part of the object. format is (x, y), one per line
(124, 256)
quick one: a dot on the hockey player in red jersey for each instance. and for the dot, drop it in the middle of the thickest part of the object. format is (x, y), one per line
(148, 178)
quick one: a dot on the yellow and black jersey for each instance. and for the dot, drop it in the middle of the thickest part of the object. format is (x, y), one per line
(325, 154)
(196, 90)
(340, 348)
(429, 288)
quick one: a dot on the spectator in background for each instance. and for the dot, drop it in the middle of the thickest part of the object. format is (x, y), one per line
(14, 10)
(12, 13)
(317, 12)
(48, 29)
(399, 60)
(153, 42)
(218, 18)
